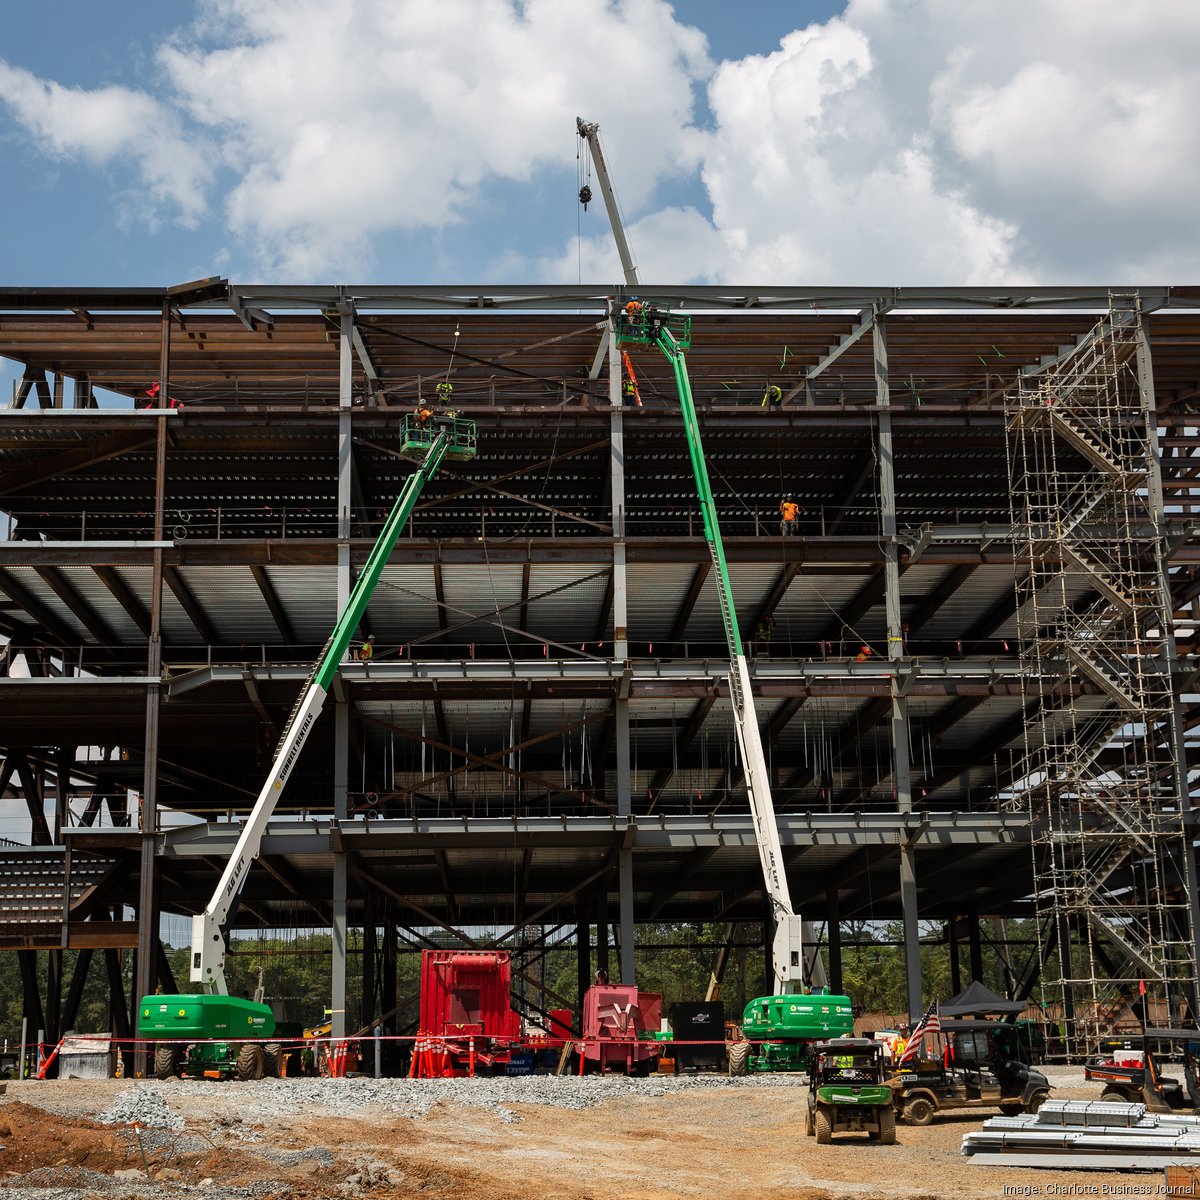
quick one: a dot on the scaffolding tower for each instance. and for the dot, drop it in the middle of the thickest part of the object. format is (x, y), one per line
(1101, 769)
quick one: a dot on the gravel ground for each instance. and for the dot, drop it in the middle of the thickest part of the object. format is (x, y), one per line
(553, 1138)
(153, 1103)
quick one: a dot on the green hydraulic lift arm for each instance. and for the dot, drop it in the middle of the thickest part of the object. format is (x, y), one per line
(788, 944)
(208, 927)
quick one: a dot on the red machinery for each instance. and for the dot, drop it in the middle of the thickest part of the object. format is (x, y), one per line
(465, 995)
(614, 1020)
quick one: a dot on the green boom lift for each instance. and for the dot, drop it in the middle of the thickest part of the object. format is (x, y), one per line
(215, 1018)
(785, 1023)
(789, 1021)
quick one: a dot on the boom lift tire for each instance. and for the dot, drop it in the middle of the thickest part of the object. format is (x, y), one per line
(166, 1062)
(918, 1111)
(249, 1063)
(738, 1053)
(824, 1127)
(273, 1060)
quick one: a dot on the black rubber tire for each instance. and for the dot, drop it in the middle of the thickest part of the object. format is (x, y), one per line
(824, 1126)
(166, 1062)
(1012, 1110)
(273, 1061)
(1036, 1101)
(249, 1063)
(1113, 1096)
(887, 1127)
(918, 1111)
(737, 1055)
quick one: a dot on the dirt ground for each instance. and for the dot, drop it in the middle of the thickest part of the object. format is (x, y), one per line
(724, 1142)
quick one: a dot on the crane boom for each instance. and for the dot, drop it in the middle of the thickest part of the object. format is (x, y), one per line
(453, 438)
(590, 132)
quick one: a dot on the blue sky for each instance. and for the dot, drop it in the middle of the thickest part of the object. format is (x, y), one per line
(857, 141)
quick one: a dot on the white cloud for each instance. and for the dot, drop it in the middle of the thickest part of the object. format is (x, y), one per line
(345, 120)
(937, 141)
(916, 142)
(110, 124)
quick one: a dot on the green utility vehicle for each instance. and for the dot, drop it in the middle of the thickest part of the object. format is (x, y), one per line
(783, 1029)
(176, 1021)
(847, 1092)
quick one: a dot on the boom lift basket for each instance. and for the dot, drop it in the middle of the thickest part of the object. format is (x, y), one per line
(641, 326)
(417, 436)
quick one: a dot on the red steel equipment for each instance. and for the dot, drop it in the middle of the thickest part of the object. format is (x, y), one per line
(465, 996)
(615, 1018)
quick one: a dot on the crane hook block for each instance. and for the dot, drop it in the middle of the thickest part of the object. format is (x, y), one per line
(585, 196)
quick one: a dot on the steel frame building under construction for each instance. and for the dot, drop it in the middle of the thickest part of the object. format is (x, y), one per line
(974, 661)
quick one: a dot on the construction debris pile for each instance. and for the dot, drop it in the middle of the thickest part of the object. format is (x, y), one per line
(1086, 1135)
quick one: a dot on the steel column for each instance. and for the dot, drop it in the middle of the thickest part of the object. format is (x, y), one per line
(583, 958)
(620, 610)
(952, 945)
(975, 945)
(895, 655)
(147, 911)
(341, 712)
(834, 938)
(1187, 809)
(118, 1008)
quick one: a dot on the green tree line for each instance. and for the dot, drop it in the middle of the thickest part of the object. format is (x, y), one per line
(674, 959)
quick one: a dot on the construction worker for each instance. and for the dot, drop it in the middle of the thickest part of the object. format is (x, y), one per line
(424, 412)
(444, 390)
(789, 512)
(772, 397)
(633, 312)
(367, 650)
(629, 391)
(762, 637)
(864, 653)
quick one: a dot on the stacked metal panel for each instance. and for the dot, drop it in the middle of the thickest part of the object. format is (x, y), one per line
(1087, 1135)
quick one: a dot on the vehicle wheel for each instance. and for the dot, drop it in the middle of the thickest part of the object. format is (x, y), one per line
(1011, 1110)
(918, 1111)
(273, 1061)
(166, 1062)
(249, 1063)
(824, 1126)
(737, 1054)
(1036, 1101)
(887, 1127)
(1112, 1095)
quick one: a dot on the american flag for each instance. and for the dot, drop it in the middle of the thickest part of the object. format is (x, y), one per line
(929, 1023)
